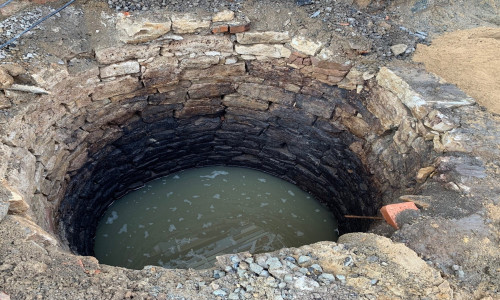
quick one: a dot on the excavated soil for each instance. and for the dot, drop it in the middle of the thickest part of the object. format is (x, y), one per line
(469, 59)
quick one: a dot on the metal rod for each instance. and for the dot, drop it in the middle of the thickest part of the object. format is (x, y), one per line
(36, 24)
(8, 1)
(363, 217)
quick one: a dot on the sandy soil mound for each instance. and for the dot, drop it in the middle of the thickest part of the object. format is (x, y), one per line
(470, 59)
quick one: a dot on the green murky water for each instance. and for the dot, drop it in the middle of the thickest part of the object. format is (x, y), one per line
(186, 219)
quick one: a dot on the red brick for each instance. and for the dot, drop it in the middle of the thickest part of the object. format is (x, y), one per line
(239, 28)
(220, 29)
(390, 212)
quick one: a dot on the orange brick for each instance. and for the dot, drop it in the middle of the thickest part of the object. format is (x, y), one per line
(390, 212)
(220, 29)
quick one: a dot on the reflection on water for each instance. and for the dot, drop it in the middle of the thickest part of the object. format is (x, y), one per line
(186, 219)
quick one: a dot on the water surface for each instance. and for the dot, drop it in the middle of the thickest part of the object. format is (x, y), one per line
(186, 219)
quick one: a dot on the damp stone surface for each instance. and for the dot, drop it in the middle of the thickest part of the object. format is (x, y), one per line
(186, 219)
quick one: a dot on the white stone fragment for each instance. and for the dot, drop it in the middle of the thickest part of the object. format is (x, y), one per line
(265, 37)
(306, 46)
(268, 51)
(123, 68)
(188, 24)
(223, 16)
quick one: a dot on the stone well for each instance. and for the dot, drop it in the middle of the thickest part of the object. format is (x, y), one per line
(188, 92)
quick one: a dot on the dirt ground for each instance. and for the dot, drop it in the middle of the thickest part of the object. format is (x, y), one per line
(469, 59)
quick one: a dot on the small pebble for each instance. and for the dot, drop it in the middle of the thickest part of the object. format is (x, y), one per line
(256, 268)
(326, 277)
(316, 268)
(233, 296)
(348, 261)
(303, 259)
(220, 292)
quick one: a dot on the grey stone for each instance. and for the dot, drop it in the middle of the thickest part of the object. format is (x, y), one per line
(256, 268)
(288, 278)
(303, 259)
(261, 261)
(218, 274)
(220, 293)
(305, 284)
(291, 265)
(316, 268)
(348, 261)
(235, 259)
(241, 272)
(233, 296)
(399, 49)
(274, 263)
(326, 277)
(341, 278)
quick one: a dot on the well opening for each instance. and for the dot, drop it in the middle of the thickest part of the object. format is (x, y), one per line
(157, 138)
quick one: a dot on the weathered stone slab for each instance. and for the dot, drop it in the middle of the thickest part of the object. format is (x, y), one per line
(271, 51)
(200, 107)
(316, 106)
(355, 124)
(439, 122)
(306, 45)
(200, 44)
(161, 71)
(237, 100)
(141, 31)
(210, 90)
(118, 54)
(223, 16)
(120, 86)
(267, 93)
(237, 69)
(421, 91)
(386, 107)
(265, 37)
(118, 69)
(200, 62)
(188, 23)
(405, 135)
(268, 71)
(17, 205)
